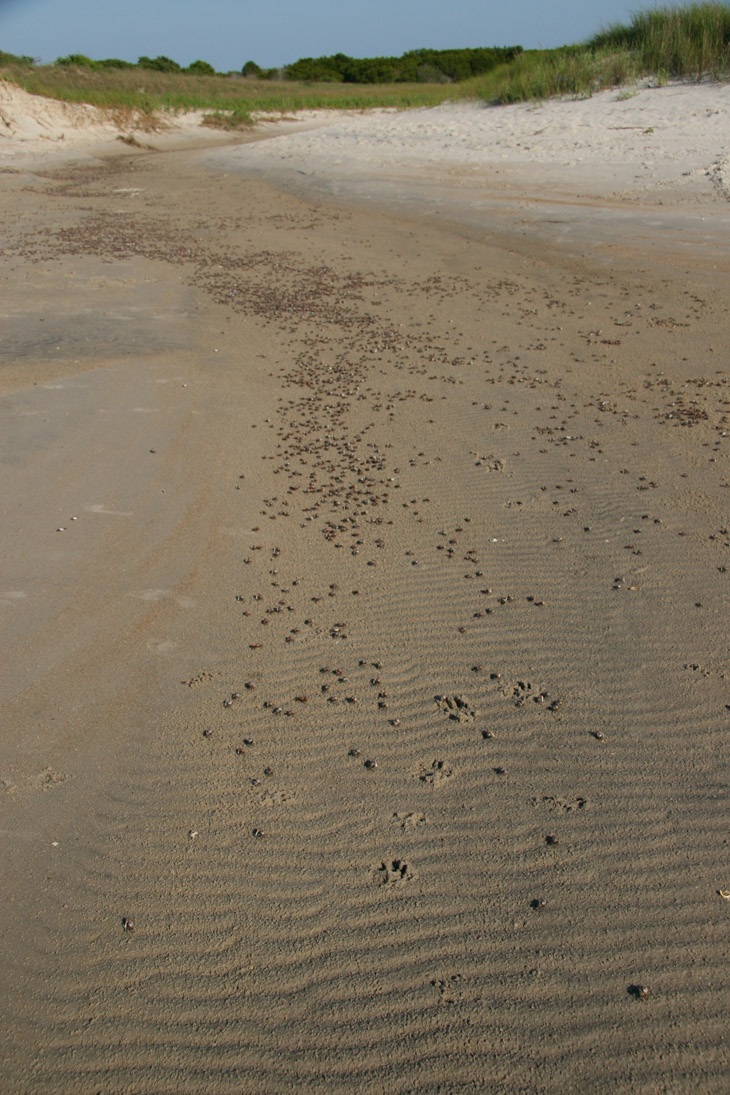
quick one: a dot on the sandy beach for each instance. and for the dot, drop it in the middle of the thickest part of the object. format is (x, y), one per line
(365, 538)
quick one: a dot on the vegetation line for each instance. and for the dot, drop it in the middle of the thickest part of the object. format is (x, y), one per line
(688, 42)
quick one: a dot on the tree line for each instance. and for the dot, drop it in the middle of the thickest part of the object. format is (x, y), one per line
(415, 66)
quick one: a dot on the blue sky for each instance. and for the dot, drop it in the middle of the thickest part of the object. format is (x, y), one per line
(227, 33)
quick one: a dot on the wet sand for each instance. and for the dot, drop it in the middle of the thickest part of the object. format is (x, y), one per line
(365, 620)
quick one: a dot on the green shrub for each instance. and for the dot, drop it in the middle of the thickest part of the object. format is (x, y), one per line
(200, 68)
(77, 59)
(424, 65)
(114, 62)
(13, 59)
(159, 64)
(429, 74)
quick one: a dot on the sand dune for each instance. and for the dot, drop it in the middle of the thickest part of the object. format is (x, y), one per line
(365, 620)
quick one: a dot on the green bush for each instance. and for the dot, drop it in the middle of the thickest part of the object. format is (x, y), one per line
(159, 64)
(420, 65)
(13, 59)
(429, 74)
(78, 59)
(114, 62)
(200, 68)
(251, 69)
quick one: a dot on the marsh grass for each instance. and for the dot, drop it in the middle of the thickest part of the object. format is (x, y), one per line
(231, 101)
(689, 42)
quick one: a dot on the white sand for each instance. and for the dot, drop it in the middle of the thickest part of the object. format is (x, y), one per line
(30, 123)
(616, 141)
(34, 129)
(619, 141)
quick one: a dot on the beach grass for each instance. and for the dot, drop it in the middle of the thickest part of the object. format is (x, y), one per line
(686, 42)
(230, 100)
(691, 41)
(676, 42)
(543, 74)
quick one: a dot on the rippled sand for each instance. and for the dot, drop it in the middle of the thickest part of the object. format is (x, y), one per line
(364, 610)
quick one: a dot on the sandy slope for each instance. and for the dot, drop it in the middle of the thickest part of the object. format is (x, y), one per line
(338, 486)
(39, 131)
(619, 140)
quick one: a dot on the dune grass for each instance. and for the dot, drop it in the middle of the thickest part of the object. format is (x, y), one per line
(687, 42)
(543, 74)
(230, 100)
(691, 41)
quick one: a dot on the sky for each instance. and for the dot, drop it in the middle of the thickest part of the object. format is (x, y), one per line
(227, 33)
